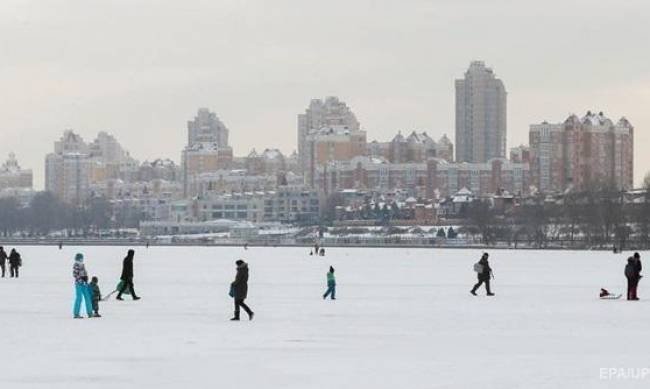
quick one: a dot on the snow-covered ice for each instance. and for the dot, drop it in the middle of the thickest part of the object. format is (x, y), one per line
(404, 318)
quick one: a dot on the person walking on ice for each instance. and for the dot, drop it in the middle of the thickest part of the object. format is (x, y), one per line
(15, 261)
(3, 260)
(331, 285)
(239, 289)
(127, 276)
(82, 291)
(484, 273)
(96, 295)
(633, 275)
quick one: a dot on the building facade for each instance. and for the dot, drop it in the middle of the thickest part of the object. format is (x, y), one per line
(431, 179)
(207, 128)
(328, 144)
(581, 152)
(480, 115)
(12, 176)
(329, 112)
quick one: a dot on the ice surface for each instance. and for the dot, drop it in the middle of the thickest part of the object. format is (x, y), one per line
(404, 319)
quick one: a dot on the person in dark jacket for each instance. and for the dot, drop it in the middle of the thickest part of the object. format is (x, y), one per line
(95, 294)
(240, 290)
(633, 275)
(484, 272)
(15, 261)
(3, 260)
(638, 267)
(127, 276)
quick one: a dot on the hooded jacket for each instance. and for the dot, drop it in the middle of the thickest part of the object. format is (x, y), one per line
(240, 285)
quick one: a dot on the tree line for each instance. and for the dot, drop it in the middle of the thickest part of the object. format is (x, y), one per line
(45, 213)
(597, 217)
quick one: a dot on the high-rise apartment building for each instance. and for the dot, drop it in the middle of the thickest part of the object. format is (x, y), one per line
(581, 152)
(67, 170)
(207, 128)
(207, 148)
(480, 115)
(330, 112)
(336, 143)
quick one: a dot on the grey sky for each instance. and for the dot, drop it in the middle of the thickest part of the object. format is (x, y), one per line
(140, 69)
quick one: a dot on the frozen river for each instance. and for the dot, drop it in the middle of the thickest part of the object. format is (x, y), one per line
(403, 318)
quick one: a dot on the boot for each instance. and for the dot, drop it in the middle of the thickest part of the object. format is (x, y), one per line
(234, 319)
(136, 298)
(473, 291)
(250, 315)
(490, 294)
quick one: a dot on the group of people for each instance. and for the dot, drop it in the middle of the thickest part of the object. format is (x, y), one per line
(14, 259)
(633, 270)
(90, 293)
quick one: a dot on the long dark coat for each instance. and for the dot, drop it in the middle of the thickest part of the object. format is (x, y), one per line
(127, 269)
(240, 285)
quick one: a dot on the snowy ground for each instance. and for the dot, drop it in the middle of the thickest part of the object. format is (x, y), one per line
(404, 318)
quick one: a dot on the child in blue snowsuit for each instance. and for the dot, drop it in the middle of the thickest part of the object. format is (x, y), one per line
(82, 290)
(331, 285)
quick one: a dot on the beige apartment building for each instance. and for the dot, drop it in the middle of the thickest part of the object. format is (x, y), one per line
(581, 152)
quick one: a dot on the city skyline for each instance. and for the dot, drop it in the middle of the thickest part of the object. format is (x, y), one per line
(137, 88)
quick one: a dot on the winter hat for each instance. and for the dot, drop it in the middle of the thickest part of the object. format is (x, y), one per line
(637, 256)
(331, 269)
(79, 257)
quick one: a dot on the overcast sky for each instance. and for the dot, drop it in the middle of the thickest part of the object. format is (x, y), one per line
(140, 69)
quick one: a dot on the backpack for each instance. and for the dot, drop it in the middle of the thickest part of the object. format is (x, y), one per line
(478, 267)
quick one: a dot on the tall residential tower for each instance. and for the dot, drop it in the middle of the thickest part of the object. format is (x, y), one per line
(480, 115)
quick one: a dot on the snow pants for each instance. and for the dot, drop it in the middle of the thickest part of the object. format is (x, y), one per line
(331, 291)
(13, 271)
(2, 265)
(82, 291)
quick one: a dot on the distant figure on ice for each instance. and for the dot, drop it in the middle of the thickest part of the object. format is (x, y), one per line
(633, 275)
(321, 252)
(127, 276)
(239, 289)
(82, 291)
(3, 260)
(60, 245)
(96, 295)
(316, 248)
(15, 261)
(484, 272)
(331, 285)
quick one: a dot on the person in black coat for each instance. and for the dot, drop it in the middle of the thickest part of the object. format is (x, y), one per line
(240, 290)
(15, 261)
(3, 260)
(484, 275)
(127, 276)
(633, 275)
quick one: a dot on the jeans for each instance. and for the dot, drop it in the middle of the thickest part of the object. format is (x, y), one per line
(82, 291)
(331, 290)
